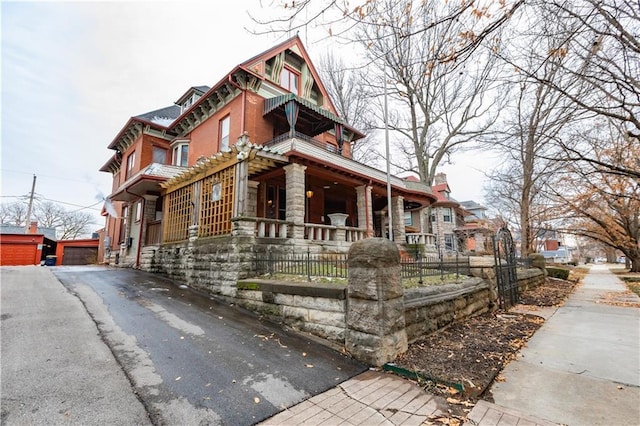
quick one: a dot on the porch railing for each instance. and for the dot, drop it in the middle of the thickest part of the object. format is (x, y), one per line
(421, 238)
(318, 232)
(271, 228)
(154, 233)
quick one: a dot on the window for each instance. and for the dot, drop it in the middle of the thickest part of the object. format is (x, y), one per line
(447, 214)
(138, 211)
(131, 160)
(289, 80)
(159, 155)
(408, 219)
(224, 134)
(123, 225)
(449, 242)
(181, 155)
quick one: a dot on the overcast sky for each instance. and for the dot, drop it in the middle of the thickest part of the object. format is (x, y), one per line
(74, 72)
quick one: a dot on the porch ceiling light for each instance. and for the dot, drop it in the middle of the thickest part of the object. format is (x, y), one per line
(309, 194)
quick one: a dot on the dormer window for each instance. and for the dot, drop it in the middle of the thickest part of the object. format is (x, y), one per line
(180, 153)
(289, 79)
(188, 102)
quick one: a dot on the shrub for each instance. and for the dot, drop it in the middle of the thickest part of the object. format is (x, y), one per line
(559, 273)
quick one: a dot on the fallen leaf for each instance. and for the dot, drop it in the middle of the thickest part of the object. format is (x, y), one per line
(304, 354)
(256, 400)
(207, 385)
(178, 378)
(309, 365)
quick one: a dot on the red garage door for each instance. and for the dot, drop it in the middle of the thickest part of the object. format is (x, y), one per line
(18, 254)
(80, 255)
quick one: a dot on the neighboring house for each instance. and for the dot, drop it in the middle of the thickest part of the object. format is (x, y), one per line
(555, 252)
(478, 230)
(446, 216)
(30, 248)
(261, 154)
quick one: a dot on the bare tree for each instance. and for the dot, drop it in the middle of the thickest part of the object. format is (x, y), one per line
(598, 42)
(478, 20)
(437, 106)
(352, 98)
(13, 213)
(68, 224)
(602, 206)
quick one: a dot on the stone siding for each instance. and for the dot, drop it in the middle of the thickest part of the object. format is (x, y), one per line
(318, 309)
(429, 309)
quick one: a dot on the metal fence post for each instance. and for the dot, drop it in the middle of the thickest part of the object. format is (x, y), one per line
(308, 264)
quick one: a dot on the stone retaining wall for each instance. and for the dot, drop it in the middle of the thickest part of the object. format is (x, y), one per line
(429, 309)
(370, 316)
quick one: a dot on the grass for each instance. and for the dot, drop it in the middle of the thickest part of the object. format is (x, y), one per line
(634, 286)
(406, 282)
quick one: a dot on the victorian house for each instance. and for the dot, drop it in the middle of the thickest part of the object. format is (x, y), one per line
(260, 158)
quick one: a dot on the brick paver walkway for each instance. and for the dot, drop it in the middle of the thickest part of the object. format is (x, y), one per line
(371, 398)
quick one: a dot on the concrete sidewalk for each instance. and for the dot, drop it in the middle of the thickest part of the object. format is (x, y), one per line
(581, 368)
(55, 367)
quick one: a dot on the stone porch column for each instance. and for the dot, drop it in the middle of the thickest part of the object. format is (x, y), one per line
(295, 188)
(376, 331)
(252, 198)
(365, 209)
(397, 204)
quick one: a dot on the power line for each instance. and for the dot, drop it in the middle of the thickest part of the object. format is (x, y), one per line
(39, 197)
(42, 175)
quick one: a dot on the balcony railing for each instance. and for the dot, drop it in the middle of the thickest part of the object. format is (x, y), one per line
(286, 136)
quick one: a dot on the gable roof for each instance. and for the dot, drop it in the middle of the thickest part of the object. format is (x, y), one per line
(295, 45)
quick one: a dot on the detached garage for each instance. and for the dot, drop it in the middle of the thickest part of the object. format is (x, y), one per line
(77, 252)
(18, 248)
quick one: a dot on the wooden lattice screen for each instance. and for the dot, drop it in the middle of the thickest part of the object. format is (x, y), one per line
(215, 216)
(179, 214)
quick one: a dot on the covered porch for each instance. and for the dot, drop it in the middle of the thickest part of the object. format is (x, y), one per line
(294, 191)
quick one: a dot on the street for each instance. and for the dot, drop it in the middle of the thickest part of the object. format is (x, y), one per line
(194, 360)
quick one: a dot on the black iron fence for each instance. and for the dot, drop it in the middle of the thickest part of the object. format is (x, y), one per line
(334, 265)
(307, 264)
(444, 267)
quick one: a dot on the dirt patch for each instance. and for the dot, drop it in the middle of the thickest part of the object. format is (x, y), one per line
(469, 355)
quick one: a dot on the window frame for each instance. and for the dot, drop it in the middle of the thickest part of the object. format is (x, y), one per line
(131, 162)
(289, 72)
(138, 217)
(447, 215)
(156, 150)
(178, 155)
(449, 245)
(224, 130)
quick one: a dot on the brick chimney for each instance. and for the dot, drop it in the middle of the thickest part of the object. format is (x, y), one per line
(440, 178)
(33, 227)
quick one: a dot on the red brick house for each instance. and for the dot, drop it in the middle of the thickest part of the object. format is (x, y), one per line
(261, 154)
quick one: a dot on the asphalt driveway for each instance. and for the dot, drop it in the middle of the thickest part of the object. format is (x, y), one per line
(193, 359)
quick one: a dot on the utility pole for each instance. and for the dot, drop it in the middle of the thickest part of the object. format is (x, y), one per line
(28, 219)
(386, 142)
